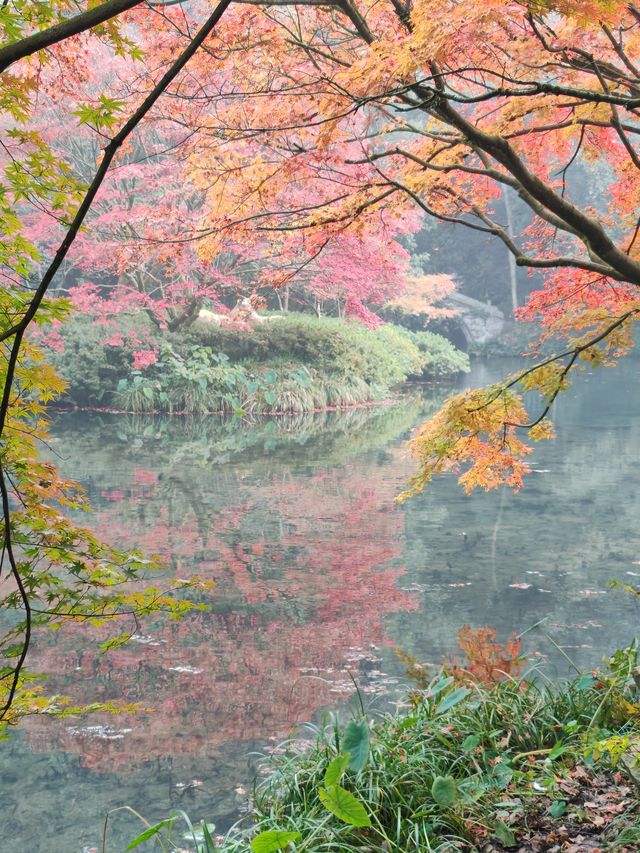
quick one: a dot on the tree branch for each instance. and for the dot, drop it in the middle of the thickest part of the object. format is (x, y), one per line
(13, 51)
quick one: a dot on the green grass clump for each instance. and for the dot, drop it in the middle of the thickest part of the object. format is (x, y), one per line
(214, 385)
(460, 767)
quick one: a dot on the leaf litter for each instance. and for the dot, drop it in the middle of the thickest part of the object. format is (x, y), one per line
(596, 812)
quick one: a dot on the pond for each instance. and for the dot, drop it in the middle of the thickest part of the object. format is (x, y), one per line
(319, 575)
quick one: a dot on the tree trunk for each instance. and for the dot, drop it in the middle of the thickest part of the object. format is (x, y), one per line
(513, 269)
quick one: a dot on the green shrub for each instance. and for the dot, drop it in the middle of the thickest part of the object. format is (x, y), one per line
(382, 357)
(422, 354)
(440, 356)
(329, 345)
(294, 364)
(90, 369)
(400, 346)
(320, 342)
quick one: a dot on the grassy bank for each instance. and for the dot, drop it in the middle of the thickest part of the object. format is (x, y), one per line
(299, 363)
(514, 765)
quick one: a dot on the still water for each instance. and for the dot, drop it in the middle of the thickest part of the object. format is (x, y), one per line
(319, 575)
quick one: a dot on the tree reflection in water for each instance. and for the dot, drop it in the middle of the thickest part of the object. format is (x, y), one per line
(305, 554)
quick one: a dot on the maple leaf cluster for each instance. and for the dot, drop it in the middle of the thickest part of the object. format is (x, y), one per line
(486, 661)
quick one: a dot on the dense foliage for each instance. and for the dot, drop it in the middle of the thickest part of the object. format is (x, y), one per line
(509, 763)
(305, 154)
(309, 140)
(297, 363)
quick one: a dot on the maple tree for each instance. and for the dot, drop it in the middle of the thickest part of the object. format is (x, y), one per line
(139, 249)
(329, 126)
(460, 101)
(470, 124)
(421, 296)
(319, 131)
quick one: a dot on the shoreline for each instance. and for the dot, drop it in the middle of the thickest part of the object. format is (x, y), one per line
(106, 410)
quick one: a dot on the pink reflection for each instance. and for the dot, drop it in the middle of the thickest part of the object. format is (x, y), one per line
(306, 570)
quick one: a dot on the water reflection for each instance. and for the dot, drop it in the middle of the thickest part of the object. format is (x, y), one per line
(318, 574)
(548, 552)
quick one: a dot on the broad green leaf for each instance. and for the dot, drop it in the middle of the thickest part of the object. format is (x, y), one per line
(474, 788)
(585, 682)
(336, 768)
(356, 742)
(439, 687)
(343, 805)
(558, 808)
(558, 750)
(150, 832)
(503, 774)
(470, 742)
(444, 791)
(452, 699)
(502, 832)
(272, 840)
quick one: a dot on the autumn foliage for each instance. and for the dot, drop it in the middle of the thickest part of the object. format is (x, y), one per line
(305, 142)
(156, 157)
(485, 661)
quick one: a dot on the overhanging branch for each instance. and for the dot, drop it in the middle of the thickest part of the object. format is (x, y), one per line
(13, 51)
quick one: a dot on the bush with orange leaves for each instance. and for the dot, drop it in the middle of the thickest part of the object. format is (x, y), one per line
(487, 661)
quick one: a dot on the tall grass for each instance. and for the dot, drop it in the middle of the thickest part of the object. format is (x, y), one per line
(248, 397)
(459, 768)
